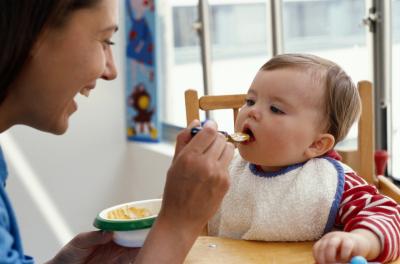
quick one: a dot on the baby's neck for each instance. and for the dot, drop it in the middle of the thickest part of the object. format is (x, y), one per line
(270, 168)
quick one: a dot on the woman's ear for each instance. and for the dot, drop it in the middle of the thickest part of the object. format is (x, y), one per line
(322, 144)
(39, 42)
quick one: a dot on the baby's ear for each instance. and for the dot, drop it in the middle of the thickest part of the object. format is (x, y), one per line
(322, 144)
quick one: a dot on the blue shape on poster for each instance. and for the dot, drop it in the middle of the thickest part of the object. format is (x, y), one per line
(141, 90)
(140, 41)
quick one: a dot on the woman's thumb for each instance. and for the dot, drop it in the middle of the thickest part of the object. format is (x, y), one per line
(89, 239)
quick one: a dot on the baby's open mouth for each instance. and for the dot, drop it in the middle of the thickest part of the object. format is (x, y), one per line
(248, 131)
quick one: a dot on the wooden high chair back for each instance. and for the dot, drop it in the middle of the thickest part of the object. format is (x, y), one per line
(361, 159)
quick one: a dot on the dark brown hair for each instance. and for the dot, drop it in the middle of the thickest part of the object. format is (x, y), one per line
(342, 103)
(21, 22)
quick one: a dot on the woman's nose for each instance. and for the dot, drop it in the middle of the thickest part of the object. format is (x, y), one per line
(110, 71)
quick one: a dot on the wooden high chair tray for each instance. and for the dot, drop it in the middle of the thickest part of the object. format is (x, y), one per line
(216, 250)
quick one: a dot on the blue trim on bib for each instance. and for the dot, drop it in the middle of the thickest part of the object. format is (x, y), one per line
(338, 196)
(270, 174)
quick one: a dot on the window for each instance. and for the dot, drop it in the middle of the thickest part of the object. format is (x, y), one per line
(239, 34)
(323, 25)
(395, 98)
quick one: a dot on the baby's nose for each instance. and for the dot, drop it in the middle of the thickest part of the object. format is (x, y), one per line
(255, 114)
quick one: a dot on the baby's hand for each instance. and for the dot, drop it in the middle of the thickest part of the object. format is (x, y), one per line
(342, 246)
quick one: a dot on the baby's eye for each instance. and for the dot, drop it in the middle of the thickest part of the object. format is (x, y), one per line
(276, 110)
(250, 102)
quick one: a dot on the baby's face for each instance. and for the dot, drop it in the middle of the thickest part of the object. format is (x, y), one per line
(283, 114)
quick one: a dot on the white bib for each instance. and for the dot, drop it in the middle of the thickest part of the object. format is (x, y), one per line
(298, 203)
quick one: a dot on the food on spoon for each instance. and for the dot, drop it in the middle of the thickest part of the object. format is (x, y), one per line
(239, 137)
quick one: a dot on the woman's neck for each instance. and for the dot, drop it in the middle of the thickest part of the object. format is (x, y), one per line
(7, 111)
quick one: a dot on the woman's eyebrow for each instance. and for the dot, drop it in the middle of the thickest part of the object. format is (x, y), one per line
(113, 28)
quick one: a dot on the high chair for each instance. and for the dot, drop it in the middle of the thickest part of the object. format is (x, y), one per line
(361, 159)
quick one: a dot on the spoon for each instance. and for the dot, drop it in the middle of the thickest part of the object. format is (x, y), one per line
(237, 137)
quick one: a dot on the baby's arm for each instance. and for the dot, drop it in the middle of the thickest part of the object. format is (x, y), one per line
(341, 246)
(371, 222)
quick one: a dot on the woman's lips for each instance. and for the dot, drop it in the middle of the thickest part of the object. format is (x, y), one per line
(86, 90)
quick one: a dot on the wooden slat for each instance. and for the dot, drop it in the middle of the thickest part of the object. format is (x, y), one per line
(351, 158)
(388, 188)
(366, 138)
(213, 102)
(362, 159)
(192, 106)
(235, 114)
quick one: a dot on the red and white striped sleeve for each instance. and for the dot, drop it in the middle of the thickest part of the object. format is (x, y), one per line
(363, 207)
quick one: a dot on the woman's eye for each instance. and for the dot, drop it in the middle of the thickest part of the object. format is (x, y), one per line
(108, 42)
(276, 110)
(250, 102)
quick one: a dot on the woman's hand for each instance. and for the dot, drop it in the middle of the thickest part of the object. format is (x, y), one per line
(340, 247)
(94, 247)
(198, 177)
(196, 184)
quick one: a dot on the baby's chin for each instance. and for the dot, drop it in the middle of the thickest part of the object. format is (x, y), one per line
(267, 165)
(248, 155)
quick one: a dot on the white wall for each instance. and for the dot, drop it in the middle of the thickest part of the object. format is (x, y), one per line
(89, 168)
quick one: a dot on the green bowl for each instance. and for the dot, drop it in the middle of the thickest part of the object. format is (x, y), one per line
(102, 222)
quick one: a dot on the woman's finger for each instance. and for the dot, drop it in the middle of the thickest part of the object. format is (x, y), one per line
(204, 139)
(184, 136)
(89, 239)
(216, 148)
(227, 154)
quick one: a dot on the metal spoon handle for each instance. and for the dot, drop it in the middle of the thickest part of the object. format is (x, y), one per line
(196, 130)
(234, 138)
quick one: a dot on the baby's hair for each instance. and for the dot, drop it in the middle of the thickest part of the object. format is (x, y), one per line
(342, 100)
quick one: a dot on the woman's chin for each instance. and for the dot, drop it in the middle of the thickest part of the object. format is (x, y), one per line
(57, 128)
(59, 131)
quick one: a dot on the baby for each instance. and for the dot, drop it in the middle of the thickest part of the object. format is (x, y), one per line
(288, 184)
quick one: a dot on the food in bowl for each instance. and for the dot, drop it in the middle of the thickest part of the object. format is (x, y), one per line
(128, 212)
(130, 222)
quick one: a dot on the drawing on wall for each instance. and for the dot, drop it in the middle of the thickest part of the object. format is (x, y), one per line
(141, 90)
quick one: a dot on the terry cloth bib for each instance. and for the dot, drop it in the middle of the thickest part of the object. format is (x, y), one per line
(297, 203)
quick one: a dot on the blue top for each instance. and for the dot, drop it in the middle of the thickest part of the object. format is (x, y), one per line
(11, 251)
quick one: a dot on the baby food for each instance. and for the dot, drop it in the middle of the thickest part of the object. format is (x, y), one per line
(128, 213)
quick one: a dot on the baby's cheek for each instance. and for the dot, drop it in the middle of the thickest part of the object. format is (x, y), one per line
(239, 121)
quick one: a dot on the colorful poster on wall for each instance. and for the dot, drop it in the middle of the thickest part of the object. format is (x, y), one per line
(141, 85)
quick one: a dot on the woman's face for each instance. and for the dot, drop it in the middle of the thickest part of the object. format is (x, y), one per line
(64, 62)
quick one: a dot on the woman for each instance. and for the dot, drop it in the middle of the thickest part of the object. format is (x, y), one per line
(50, 51)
